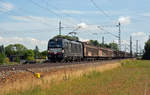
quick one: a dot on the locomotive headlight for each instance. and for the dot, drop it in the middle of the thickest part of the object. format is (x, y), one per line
(62, 51)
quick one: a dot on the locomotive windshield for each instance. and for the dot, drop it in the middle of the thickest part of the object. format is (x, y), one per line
(55, 44)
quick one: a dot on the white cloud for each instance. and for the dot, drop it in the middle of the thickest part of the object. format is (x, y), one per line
(124, 20)
(83, 40)
(88, 28)
(27, 41)
(82, 25)
(5, 6)
(138, 34)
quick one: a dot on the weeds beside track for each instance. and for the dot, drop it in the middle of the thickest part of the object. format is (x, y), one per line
(132, 78)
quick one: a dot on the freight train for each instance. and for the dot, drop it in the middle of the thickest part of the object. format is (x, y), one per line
(60, 49)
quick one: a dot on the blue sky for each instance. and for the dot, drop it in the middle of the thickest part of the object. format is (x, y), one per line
(34, 22)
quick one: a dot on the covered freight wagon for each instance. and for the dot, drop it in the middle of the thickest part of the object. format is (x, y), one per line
(94, 52)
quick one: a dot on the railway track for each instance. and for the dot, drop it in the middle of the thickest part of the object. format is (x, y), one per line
(34, 66)
(28, 66)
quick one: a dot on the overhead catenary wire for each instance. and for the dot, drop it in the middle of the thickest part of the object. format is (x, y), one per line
(48, 5)
(70, 15)
(107, 31)
(105, 14)
(51, 11)
(13, 13)
(27, 17)
(30, 17)
(59, 10)
(100, 9)
(45, 8)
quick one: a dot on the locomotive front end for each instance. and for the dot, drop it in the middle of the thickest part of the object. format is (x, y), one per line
(55, 50)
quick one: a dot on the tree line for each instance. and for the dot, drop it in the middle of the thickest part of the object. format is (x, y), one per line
(18, 52)
(104, 45)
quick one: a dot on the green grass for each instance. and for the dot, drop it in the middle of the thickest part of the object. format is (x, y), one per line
(132, 78)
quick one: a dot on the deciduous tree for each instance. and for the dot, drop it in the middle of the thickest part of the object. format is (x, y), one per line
(147, 50)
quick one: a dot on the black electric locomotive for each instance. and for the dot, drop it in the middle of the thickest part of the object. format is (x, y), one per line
(60, 49)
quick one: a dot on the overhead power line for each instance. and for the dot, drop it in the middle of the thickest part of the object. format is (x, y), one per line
(13, 13)
(59, 10)
(45, 8)
(27, 17)
(48, 5)
(100, 9)
(108, 32)
(51, 11)
(57, 14)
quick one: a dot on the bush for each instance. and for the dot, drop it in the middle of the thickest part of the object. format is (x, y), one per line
(29, 55)
(2, 58)
(6, 60)
(17, 59)
(30, 58)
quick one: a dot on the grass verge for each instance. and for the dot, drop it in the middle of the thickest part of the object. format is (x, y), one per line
(132, 78)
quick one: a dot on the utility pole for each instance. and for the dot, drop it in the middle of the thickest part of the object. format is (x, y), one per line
(60, 28)
(131, 46)
(103, 40)
(137, 47)
(113, 45)
(140, 54)
(125, 48)
(119, 36)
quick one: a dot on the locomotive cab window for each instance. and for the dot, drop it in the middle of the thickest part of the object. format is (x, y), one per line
(55, 44)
